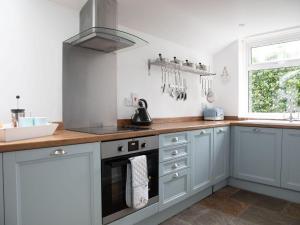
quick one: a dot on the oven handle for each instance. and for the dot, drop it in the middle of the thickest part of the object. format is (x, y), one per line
(124, 161)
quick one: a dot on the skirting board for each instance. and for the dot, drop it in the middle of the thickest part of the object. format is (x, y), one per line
(173, 210)
(220, 185)
(289, 195)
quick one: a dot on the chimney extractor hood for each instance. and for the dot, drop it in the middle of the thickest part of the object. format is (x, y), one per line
(98, 22)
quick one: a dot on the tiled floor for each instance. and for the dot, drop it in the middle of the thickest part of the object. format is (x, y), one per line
(231, 206)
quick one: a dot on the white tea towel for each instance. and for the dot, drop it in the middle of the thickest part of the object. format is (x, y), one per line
(137, 182)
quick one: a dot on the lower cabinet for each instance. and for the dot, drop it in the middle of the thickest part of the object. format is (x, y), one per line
(201, 159)
(174, 188)
(290, 174)
(221, 154)
(257, 154)
(50, 186)
(1, 194)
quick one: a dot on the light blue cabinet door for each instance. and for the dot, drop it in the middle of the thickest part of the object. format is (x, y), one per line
(1, 194)
(174, 188)
(257, 154)
(201, 159)
(290, 174)
(53, 186)
(221, 154)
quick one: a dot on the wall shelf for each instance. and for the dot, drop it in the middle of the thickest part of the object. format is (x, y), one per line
(176, 66)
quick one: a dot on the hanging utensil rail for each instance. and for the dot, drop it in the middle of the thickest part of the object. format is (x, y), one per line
(176, 66)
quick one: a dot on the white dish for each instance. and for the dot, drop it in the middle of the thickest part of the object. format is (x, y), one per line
(9, 133)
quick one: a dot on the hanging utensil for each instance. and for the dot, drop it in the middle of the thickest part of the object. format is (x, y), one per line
(210, 94)
(185, 89)
(163, 80)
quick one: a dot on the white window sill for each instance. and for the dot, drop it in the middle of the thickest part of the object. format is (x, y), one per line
(271, 116)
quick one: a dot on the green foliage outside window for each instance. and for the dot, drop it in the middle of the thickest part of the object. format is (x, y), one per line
(270, 89)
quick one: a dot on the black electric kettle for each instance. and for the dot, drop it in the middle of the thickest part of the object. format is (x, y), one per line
(141, 116)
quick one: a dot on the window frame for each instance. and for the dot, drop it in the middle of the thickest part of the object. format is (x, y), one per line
(246, 66)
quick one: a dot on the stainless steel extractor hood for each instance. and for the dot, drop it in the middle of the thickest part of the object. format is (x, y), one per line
(98, 23)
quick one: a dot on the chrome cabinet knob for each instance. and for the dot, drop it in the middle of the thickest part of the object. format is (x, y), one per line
(202, 132)
(175, 152)
(175, 139)
(220, 131)
(256, 130)
(175, 166)
(58, 152)
(175, 175)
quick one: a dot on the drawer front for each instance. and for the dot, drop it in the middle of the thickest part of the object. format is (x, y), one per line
(55, 152)
(174, 188)
(166, 140)
(175, 152)
(173, 166)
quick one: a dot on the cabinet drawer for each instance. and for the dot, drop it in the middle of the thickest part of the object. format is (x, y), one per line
(166, 140)
(173, 166)
(55, 152)
(173, 152)
(174, 188)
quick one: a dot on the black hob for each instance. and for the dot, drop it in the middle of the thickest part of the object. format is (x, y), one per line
(109, 129)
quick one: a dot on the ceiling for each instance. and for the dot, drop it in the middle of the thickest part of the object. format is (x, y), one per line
(204, 25)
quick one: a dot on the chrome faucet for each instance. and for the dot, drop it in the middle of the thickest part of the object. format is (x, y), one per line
(291, 109)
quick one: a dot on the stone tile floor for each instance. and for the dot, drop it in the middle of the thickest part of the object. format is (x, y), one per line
(231, 206)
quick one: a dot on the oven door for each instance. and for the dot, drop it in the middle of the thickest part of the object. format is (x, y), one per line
(114, 185)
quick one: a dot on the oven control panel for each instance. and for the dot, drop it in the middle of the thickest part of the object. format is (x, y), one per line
(128, 146)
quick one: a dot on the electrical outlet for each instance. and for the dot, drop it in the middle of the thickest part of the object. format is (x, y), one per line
(127, 102)
(134, 99)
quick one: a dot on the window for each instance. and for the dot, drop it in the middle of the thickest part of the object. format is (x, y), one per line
(273, 74)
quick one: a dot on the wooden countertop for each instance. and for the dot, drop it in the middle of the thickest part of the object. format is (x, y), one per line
(65, 137)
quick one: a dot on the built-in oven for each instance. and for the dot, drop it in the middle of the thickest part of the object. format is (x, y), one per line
(115, 156)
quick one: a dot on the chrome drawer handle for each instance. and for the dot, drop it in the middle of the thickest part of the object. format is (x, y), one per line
(202, 132)
(58, 152)
(175, 152)
(221, 131)
(256, 130)
(175, 175)
(175, 166)
(175, 139)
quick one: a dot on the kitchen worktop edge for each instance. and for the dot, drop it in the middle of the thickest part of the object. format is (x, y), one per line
(66, 137)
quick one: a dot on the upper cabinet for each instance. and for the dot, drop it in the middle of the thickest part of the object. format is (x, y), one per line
(257, 154)
(290, 174)
(201, 159)
(1, 193)
(58, 186)
(221, 154)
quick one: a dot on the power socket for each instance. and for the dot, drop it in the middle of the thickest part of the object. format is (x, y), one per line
(134, 99)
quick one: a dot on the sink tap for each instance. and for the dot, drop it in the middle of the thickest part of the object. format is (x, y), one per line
(291, 109)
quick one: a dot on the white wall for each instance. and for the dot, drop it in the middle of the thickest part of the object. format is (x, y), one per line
(31, 55)
(227, 92)
(132, 76)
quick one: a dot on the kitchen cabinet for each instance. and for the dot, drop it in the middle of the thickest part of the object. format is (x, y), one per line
(221, 154)
(58, 186)
(257, 154)
(1, 193)
(290, 176)
(174, 188)
(201, 159)
(174, 168)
